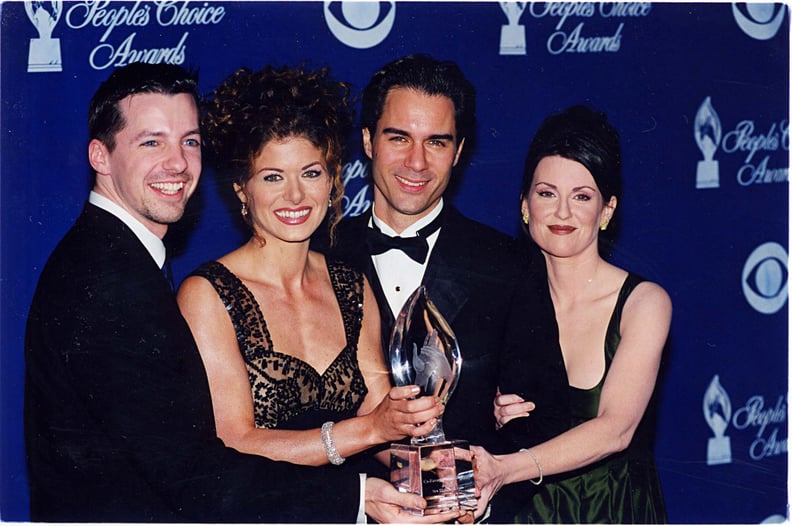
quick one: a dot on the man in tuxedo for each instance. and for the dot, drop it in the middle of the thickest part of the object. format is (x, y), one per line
(417, 114)
(118, 416)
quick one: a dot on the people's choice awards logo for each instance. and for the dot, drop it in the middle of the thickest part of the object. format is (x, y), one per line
(45, 53)
(120, 44)
(717, 413)
(707, 129)
(756, 142)
(512, 40)
(756, 415)
(760, 21)
(360, 25)
(571, 34)
(765, 278)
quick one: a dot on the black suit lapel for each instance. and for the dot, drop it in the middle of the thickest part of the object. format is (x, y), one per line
(386, 316)
(442, 279)
(124, 239)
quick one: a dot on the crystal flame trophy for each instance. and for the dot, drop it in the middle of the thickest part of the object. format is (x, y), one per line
(424, 352)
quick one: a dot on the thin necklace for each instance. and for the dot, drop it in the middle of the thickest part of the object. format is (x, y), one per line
(591, 279)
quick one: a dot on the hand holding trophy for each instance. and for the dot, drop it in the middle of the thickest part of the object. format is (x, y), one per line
(425, 352)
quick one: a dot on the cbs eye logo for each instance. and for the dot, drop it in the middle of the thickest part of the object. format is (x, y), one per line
(765, 278)
(360, 25)
(759, 21)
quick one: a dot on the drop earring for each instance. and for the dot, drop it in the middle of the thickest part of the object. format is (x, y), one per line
(525, 217)
(604, 226)
(244, 210)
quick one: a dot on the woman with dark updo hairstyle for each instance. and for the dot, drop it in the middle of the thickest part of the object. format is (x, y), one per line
(290, 340)
(586, 448)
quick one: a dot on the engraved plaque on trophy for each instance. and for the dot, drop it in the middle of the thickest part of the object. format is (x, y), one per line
(424, 352)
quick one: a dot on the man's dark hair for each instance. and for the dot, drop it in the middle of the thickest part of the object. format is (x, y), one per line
(425, 74)
(104, 116)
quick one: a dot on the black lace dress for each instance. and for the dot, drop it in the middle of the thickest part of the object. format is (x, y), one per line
(288, 393)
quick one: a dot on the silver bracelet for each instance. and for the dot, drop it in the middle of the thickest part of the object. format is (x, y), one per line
(538, 466)
(329, 445)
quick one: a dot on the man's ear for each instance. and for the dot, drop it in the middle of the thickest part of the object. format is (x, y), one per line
(99, 157)
(367, 142)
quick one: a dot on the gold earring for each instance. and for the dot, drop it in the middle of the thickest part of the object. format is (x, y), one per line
(525, 217)
(604, 226)
(244, 210)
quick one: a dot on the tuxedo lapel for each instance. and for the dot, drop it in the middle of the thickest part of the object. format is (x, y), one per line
(121, 237)
(386, 316)
(444, 276)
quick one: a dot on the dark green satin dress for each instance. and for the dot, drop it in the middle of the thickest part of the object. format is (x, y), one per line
(622, 488)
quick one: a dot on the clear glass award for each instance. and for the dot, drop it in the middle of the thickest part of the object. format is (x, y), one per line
(424, 352)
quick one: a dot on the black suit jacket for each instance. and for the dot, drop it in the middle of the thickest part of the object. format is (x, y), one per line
(470, 277)
(118, 416)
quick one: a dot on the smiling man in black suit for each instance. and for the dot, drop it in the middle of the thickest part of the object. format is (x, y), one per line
(417, 114)
(118, 417)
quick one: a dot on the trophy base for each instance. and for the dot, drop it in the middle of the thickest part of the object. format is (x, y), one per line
(44, 55)
(719, 451)
(512, 41)
(707, 174)
(433, 471)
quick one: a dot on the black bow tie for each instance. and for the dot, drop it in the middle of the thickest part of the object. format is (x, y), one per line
(416, 248)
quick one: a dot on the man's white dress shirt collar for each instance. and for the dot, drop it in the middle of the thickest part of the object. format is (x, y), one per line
(153, 244)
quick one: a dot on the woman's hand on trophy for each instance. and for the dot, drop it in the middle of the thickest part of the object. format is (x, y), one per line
(488, 472)
(507, 407)
(400, 414)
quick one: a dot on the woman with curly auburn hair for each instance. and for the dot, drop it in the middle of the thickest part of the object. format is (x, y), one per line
(290, 340)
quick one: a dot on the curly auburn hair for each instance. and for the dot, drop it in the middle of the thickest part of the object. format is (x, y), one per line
(249, 109)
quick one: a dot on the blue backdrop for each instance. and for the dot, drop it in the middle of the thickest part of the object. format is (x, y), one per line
(700, 93)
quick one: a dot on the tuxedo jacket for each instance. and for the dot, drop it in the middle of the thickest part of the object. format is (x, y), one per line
(118, 416)
(470, 277)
